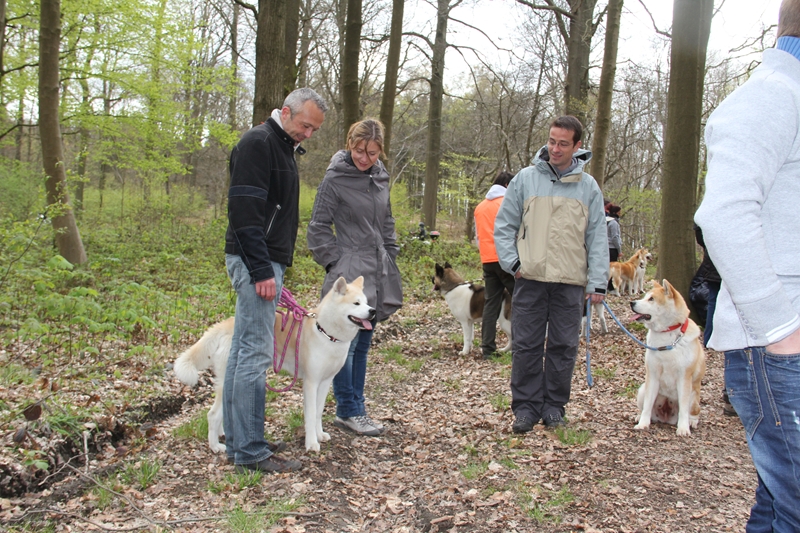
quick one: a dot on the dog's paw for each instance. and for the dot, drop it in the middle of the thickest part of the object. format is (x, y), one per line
(312, 446)
(683, 431)
(642, 425)
(216, 447)
(324, 437)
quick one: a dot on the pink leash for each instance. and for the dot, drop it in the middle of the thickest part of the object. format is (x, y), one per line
(297, 313)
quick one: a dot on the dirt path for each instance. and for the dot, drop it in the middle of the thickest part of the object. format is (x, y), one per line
(449, 461)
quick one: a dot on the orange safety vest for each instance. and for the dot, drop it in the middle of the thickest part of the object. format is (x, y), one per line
(485, 213)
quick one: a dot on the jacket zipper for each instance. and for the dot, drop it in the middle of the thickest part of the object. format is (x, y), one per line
(272, 220)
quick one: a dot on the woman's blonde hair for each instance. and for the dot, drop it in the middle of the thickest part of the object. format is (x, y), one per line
(369, 129)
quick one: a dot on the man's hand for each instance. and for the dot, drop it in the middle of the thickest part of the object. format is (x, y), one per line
(596, 298)
(788, 346)
(517, 274)
(266, 289)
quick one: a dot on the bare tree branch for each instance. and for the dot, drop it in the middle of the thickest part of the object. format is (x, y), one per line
(245, 5)
(660, 32)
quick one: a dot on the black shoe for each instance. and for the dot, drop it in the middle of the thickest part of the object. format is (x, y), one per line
(273, 463)
(523, 424)
(554, 420)
(275, 447)
(728, 410)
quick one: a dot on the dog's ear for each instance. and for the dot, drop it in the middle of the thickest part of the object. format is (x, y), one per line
(359, 282)
(447, 265)
(668, 289)
(340, 285)
(439, 270)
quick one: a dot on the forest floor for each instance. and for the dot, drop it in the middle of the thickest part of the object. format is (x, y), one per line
(448, 461)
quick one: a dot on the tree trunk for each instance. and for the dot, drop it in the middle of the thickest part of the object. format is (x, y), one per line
(305, 45)
(390, 82)
(605, 93)
(234, 100)
(2, 36)
(290, 48)
(691, 24)
(352, 47)
(429, 201)
(270, 53)
(579, 46)
(68, 239)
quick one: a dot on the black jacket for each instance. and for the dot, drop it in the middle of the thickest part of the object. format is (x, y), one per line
(263, 200)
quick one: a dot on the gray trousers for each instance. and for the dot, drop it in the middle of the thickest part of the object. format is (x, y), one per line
(495, 279)
(541, 379)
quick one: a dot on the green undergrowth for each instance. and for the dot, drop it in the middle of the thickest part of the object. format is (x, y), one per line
(154, 281)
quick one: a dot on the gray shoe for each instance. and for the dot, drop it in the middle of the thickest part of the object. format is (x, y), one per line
(375, 424)
(273, 463)
(357, 424)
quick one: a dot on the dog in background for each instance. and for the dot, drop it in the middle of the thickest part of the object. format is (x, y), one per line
(624, 275)
(671, 389)
(641, 267)
(324, 342)
(466, 301)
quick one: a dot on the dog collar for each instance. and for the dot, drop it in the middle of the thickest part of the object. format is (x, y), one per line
(683, 327)
(332, 339)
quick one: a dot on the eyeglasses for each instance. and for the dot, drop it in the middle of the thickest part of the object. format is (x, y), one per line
(561, 144)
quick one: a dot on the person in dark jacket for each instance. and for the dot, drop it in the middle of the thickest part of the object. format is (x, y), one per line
(614, 239)
(353, 199)
(263, 206)
(707, 272)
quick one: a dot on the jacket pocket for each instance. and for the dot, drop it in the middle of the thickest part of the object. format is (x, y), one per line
(272, 220)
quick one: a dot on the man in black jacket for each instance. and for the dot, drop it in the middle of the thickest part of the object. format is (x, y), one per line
(259, 245)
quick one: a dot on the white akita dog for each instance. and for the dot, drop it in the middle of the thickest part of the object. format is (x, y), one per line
(671, 389)
(325, 340)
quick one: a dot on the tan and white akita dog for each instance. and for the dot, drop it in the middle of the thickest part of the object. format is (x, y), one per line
(466, 301)
(325, 340)
(671, 389)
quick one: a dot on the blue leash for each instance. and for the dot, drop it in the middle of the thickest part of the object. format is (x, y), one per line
(589, 379)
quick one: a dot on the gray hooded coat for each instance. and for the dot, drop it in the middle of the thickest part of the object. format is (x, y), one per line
(357, 205)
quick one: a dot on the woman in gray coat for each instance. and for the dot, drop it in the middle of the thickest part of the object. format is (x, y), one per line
(353, 199)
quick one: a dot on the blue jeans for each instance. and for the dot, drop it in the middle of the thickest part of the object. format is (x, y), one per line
(252, 347)
(348, 384)
(764, 389)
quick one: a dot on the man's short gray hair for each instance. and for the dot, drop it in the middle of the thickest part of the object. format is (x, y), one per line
(298, 97)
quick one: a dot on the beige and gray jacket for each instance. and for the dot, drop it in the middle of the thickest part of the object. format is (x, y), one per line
(552, 228)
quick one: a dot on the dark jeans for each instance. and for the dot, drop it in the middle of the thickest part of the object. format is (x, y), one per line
(764, 389)
(495, 280)
(541, 379)
(348, 384)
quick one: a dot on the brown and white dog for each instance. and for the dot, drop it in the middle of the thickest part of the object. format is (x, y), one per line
(671, 389)
(466, 301)
(324, 342)
(629, 276)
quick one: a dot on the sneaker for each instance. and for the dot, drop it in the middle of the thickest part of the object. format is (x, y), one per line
(357, 424)
(275, 447)
(523, 424)
(273, 463)
(376, 425)
(554, 420)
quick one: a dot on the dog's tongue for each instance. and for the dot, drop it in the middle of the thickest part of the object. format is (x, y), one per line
(366, 324)
(635, 317)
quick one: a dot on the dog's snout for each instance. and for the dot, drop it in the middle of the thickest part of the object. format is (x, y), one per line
(371, 314)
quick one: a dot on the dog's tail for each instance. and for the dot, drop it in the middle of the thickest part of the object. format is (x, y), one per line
(199, 356)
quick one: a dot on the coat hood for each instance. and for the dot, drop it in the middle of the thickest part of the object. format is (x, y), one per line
(343, 170)
(580, 159)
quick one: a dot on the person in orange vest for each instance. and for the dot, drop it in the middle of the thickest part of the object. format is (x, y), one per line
(495, 278)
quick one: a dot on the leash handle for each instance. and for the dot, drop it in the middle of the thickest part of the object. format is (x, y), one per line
(297, 313)
(589, 379)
